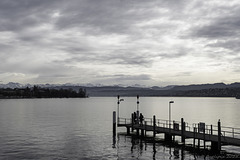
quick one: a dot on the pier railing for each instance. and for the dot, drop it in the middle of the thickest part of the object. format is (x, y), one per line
(225, 131)
(208, 129)
(124, 120)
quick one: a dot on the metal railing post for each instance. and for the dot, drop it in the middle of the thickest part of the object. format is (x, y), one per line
(233, 132)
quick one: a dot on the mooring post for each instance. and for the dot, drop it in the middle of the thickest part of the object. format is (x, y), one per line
(114, 123)
(219, 135)
(183, 127)
(154, 126)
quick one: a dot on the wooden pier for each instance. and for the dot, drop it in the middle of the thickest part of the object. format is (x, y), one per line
(216, 134)
(199, 132)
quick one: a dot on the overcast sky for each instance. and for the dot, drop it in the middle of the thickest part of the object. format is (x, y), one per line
(162, 42)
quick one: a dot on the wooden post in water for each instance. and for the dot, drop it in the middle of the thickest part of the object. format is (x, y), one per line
(114, 123)
(219, 135)
(154, 126)
(183, 127)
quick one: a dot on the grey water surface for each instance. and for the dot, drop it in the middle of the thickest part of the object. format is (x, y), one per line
(81, 128)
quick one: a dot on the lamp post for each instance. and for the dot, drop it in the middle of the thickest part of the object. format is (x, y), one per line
(170, 113)
(137, 108)
(118, 102)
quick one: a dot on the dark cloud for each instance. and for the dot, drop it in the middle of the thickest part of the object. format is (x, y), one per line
(222, 28)
(106, 16)
(230, 44)
(18, 15)
(179, 53)
(117, 59)
(223, 25)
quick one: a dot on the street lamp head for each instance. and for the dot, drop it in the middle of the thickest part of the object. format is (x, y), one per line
(171, 101)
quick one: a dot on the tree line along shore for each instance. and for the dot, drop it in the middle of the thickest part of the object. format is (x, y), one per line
(110, 91)
(38, 92)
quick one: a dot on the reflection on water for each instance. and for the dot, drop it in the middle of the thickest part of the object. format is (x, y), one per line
(82, 128)
(133, 147)
(138, 148)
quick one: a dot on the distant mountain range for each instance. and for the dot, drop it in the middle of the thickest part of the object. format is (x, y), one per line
(206, 86)
(198, 90)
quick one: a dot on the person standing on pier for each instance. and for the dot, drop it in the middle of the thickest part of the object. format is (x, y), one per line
(134, 117)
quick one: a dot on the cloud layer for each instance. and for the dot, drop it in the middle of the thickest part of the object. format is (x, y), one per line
(119, 42)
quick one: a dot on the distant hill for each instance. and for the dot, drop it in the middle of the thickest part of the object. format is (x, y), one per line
(205, 86)
(197, 90)
(211, 92)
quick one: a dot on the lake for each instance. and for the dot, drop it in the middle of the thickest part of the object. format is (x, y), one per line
(82, 128)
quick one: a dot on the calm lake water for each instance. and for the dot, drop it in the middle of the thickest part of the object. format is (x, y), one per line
(82, 128)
